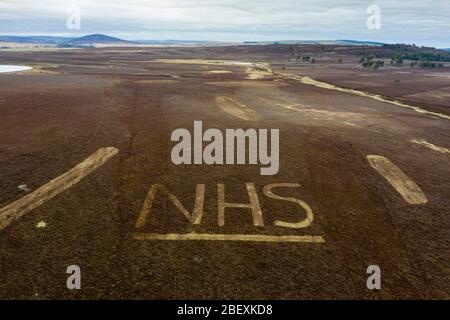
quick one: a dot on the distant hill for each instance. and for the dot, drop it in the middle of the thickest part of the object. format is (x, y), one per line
(93, 39)
(318, 42)
(182, 42)
(35, 39)
(88, 40)
(359, 43)
(101, 39)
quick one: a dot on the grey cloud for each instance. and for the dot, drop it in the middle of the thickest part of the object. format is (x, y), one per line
(422, 22)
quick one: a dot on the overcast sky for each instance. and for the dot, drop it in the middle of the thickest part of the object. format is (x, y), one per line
(425, 22)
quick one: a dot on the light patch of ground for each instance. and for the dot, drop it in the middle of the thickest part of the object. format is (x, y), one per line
(156, 81)
(220, 71)
(17, 209)
(324, 85)
(431, 146)
(406, 187)
(322, 113)
(370, 74)
(346, 118)
(205, 62)
(41, 224)
(441, 75)
(237, 109)
(259, 71)
(245, 83)
(128, 51)
(255, 71)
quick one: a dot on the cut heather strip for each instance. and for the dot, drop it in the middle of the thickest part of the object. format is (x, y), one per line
(407, 188)
(17, 209)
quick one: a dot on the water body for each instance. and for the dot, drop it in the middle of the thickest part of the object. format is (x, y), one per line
(11, 68)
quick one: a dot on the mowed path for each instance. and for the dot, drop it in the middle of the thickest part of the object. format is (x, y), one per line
(391, 212)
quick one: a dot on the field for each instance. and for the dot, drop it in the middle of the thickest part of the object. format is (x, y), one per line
(367, 151)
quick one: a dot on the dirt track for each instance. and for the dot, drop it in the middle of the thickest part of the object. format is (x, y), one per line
(88, 99)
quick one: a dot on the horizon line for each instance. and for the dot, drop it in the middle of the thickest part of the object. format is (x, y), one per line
(62, 35)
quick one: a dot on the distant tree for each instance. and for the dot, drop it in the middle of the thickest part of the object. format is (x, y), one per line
(367, 61)
(428, 64)
(378, 64)
(397, 59)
